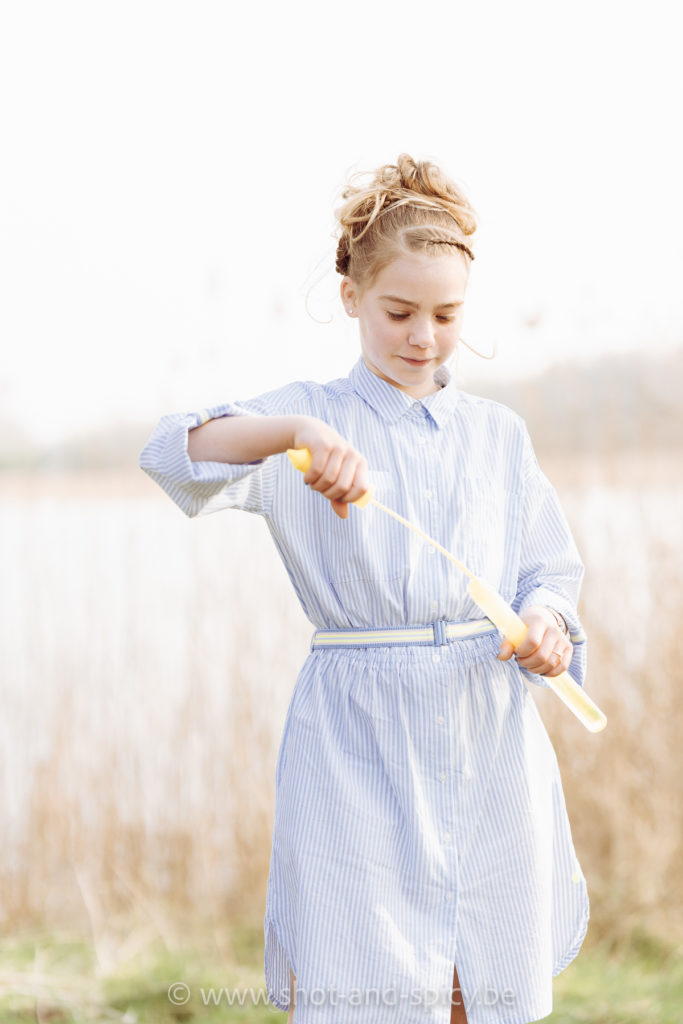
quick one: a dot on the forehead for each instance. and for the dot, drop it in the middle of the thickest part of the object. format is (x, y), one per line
(418, 277)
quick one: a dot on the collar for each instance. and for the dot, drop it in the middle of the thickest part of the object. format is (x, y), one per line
(392, 403)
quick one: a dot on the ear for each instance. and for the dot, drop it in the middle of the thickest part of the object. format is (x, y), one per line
(349, 295)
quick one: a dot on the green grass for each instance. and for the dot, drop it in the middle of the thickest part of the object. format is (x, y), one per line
(57, 980)
(642, 984)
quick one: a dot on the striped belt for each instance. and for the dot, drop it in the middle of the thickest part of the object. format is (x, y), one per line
(434, 635)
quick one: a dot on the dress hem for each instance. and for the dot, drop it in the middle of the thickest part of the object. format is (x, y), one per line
(573, 951)
(272, 936)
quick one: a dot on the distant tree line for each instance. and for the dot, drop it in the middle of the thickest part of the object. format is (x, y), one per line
(625, 403)
(629, 403)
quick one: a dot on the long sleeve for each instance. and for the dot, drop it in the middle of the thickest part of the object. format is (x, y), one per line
(199, 488)
(551, 571)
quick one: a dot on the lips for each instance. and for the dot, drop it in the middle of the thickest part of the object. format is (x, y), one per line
(415, 362)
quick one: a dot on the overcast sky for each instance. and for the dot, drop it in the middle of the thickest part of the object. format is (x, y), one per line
(169, 173)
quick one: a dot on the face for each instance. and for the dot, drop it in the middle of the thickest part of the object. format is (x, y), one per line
(410, 318)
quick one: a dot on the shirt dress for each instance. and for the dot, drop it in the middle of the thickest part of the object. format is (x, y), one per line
(419, 816)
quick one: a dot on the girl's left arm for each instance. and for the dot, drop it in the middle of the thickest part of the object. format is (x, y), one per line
(551, 570)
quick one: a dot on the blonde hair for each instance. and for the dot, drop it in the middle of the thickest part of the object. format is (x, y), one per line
(409, 206)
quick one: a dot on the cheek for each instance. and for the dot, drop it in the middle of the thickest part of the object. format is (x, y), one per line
(384, 333)
(453, 332)
(456, 322)
(447, 339)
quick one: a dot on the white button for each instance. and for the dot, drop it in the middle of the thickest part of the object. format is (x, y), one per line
(440, 719)
(431, 551)
(420, 440)
(446, 837)
(449, 897)
(442, 776)
(436, 656)
(429, 494)
(433, 606)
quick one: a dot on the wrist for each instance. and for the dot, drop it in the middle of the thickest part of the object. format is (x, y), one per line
(541, 611)
(559, 619)
(296, 425)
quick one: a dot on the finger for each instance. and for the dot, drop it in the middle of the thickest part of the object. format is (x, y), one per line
(342, 487)
(360, 483)
(322, 475)
(564, 663)
(554, 663)
(541, 659)
(532, 641)
(506, 650)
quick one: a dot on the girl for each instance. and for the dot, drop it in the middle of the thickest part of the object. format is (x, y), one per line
(422, 864)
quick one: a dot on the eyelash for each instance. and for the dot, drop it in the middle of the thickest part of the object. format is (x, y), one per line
(404, 316)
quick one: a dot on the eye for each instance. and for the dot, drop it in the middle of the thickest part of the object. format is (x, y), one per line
(397, 316)
(445, 319)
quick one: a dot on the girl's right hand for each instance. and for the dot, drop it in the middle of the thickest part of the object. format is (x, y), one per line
(337, 470)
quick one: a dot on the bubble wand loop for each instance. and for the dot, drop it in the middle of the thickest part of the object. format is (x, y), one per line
(494, 607)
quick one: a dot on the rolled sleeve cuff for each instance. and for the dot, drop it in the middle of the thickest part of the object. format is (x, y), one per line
(191, 485)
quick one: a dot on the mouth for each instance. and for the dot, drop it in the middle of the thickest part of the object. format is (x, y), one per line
(415, 362)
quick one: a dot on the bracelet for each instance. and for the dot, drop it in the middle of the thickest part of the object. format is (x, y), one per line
(559, 619)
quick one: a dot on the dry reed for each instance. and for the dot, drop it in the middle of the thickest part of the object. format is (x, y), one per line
(148, 661)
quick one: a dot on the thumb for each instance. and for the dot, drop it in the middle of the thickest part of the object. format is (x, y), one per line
(506, 650)
(340, 507)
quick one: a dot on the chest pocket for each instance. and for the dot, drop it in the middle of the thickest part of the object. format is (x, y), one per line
(369, 546)
(491, 532)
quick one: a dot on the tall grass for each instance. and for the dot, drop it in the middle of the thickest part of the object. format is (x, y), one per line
(147, 662)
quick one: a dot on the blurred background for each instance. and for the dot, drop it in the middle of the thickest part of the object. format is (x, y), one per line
(169, 176)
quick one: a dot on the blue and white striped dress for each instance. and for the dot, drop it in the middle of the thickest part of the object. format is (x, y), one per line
(419, 817)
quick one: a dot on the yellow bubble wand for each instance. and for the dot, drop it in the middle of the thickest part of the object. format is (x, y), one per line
(493, 606)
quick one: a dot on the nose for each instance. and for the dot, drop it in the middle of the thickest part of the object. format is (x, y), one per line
(422, 334)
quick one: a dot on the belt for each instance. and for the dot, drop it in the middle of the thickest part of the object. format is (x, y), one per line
(436, 634)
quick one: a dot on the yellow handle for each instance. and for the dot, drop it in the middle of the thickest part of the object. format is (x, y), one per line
(514, 629)
(301, 460)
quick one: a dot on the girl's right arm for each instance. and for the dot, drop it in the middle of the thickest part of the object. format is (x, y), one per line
(337, 470)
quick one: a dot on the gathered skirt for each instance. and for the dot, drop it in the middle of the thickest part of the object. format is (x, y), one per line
(419, 823)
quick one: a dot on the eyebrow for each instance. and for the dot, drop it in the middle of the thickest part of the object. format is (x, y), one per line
(407, 302)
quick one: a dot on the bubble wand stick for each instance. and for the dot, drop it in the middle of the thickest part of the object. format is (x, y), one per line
(504, 618)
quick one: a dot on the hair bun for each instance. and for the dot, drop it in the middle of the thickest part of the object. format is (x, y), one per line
(416, 176)
(415, 180)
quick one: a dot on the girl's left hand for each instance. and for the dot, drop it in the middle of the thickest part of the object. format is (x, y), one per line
(545, 649)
